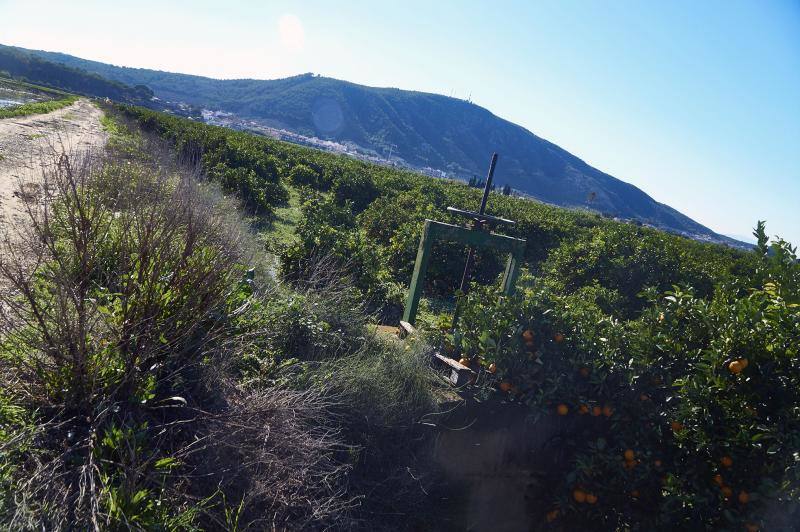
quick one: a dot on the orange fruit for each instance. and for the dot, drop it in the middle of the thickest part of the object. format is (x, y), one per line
(591, 498)
(644, 397)
(558, 337)
(506, 386)
(629, 455)
(744, 362)
(657, 463)
(718, 480)
(726, 461)
(492, 368)
(735, 367)
(579, 495)
(528, 336)
(464, 361)
(583, 409)
(584, 371)
(727, 492)
(596, 411)
(635, 494)
(607, 410)
(744, 497)
(562, 409)
(676, 426)
(629, 464)
(552, 515)
(751, 527)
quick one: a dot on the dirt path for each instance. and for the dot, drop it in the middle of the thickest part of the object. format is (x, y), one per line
(25, 140)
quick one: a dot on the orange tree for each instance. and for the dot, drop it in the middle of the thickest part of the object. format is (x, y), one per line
(686, 415)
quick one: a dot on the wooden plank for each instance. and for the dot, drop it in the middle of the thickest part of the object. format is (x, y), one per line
(511, 273)
(406, 329)
(418, 277)
(469, 237)
(459, 373)
(387, 330)
(481, 217)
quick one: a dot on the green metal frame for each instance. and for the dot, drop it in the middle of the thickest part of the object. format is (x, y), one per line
(434, 231)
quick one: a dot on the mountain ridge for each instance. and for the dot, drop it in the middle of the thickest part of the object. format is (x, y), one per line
(423, 129)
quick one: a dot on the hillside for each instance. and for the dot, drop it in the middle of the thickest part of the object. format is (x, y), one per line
(425, 130)
(20, 64)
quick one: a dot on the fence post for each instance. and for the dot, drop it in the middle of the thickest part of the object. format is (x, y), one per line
(418, 277)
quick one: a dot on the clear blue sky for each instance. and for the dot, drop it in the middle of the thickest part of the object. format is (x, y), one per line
(697, 103)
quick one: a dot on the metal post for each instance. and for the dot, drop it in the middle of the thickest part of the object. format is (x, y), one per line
(418, 277)
(477, 225)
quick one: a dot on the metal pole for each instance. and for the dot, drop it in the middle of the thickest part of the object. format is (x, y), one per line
(477, 225)
(462, 290)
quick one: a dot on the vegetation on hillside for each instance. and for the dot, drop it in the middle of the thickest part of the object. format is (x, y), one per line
(22, 65)
(425, 130)
(37, 107)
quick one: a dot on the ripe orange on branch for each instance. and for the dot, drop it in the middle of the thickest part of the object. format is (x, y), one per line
(562, 409)
(629, 455)
(579, 495)
(726, 461)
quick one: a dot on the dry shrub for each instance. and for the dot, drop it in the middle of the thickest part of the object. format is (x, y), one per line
(274, 454)
(114, 329)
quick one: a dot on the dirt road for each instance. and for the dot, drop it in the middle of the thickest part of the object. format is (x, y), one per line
(25, 140)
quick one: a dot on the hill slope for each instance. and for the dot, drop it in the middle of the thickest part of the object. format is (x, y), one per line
(21, 64)
(423, 129)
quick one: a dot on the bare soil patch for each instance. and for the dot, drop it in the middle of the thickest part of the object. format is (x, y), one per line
(26, 143)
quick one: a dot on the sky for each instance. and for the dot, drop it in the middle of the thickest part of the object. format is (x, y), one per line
(696, 103)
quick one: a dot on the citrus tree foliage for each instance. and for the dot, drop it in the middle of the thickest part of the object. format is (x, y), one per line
(237, 161)
(685, 415)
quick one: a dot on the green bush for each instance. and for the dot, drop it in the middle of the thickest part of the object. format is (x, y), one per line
(303, 176)
(240, 163)
(702, 391)
(37, 107)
